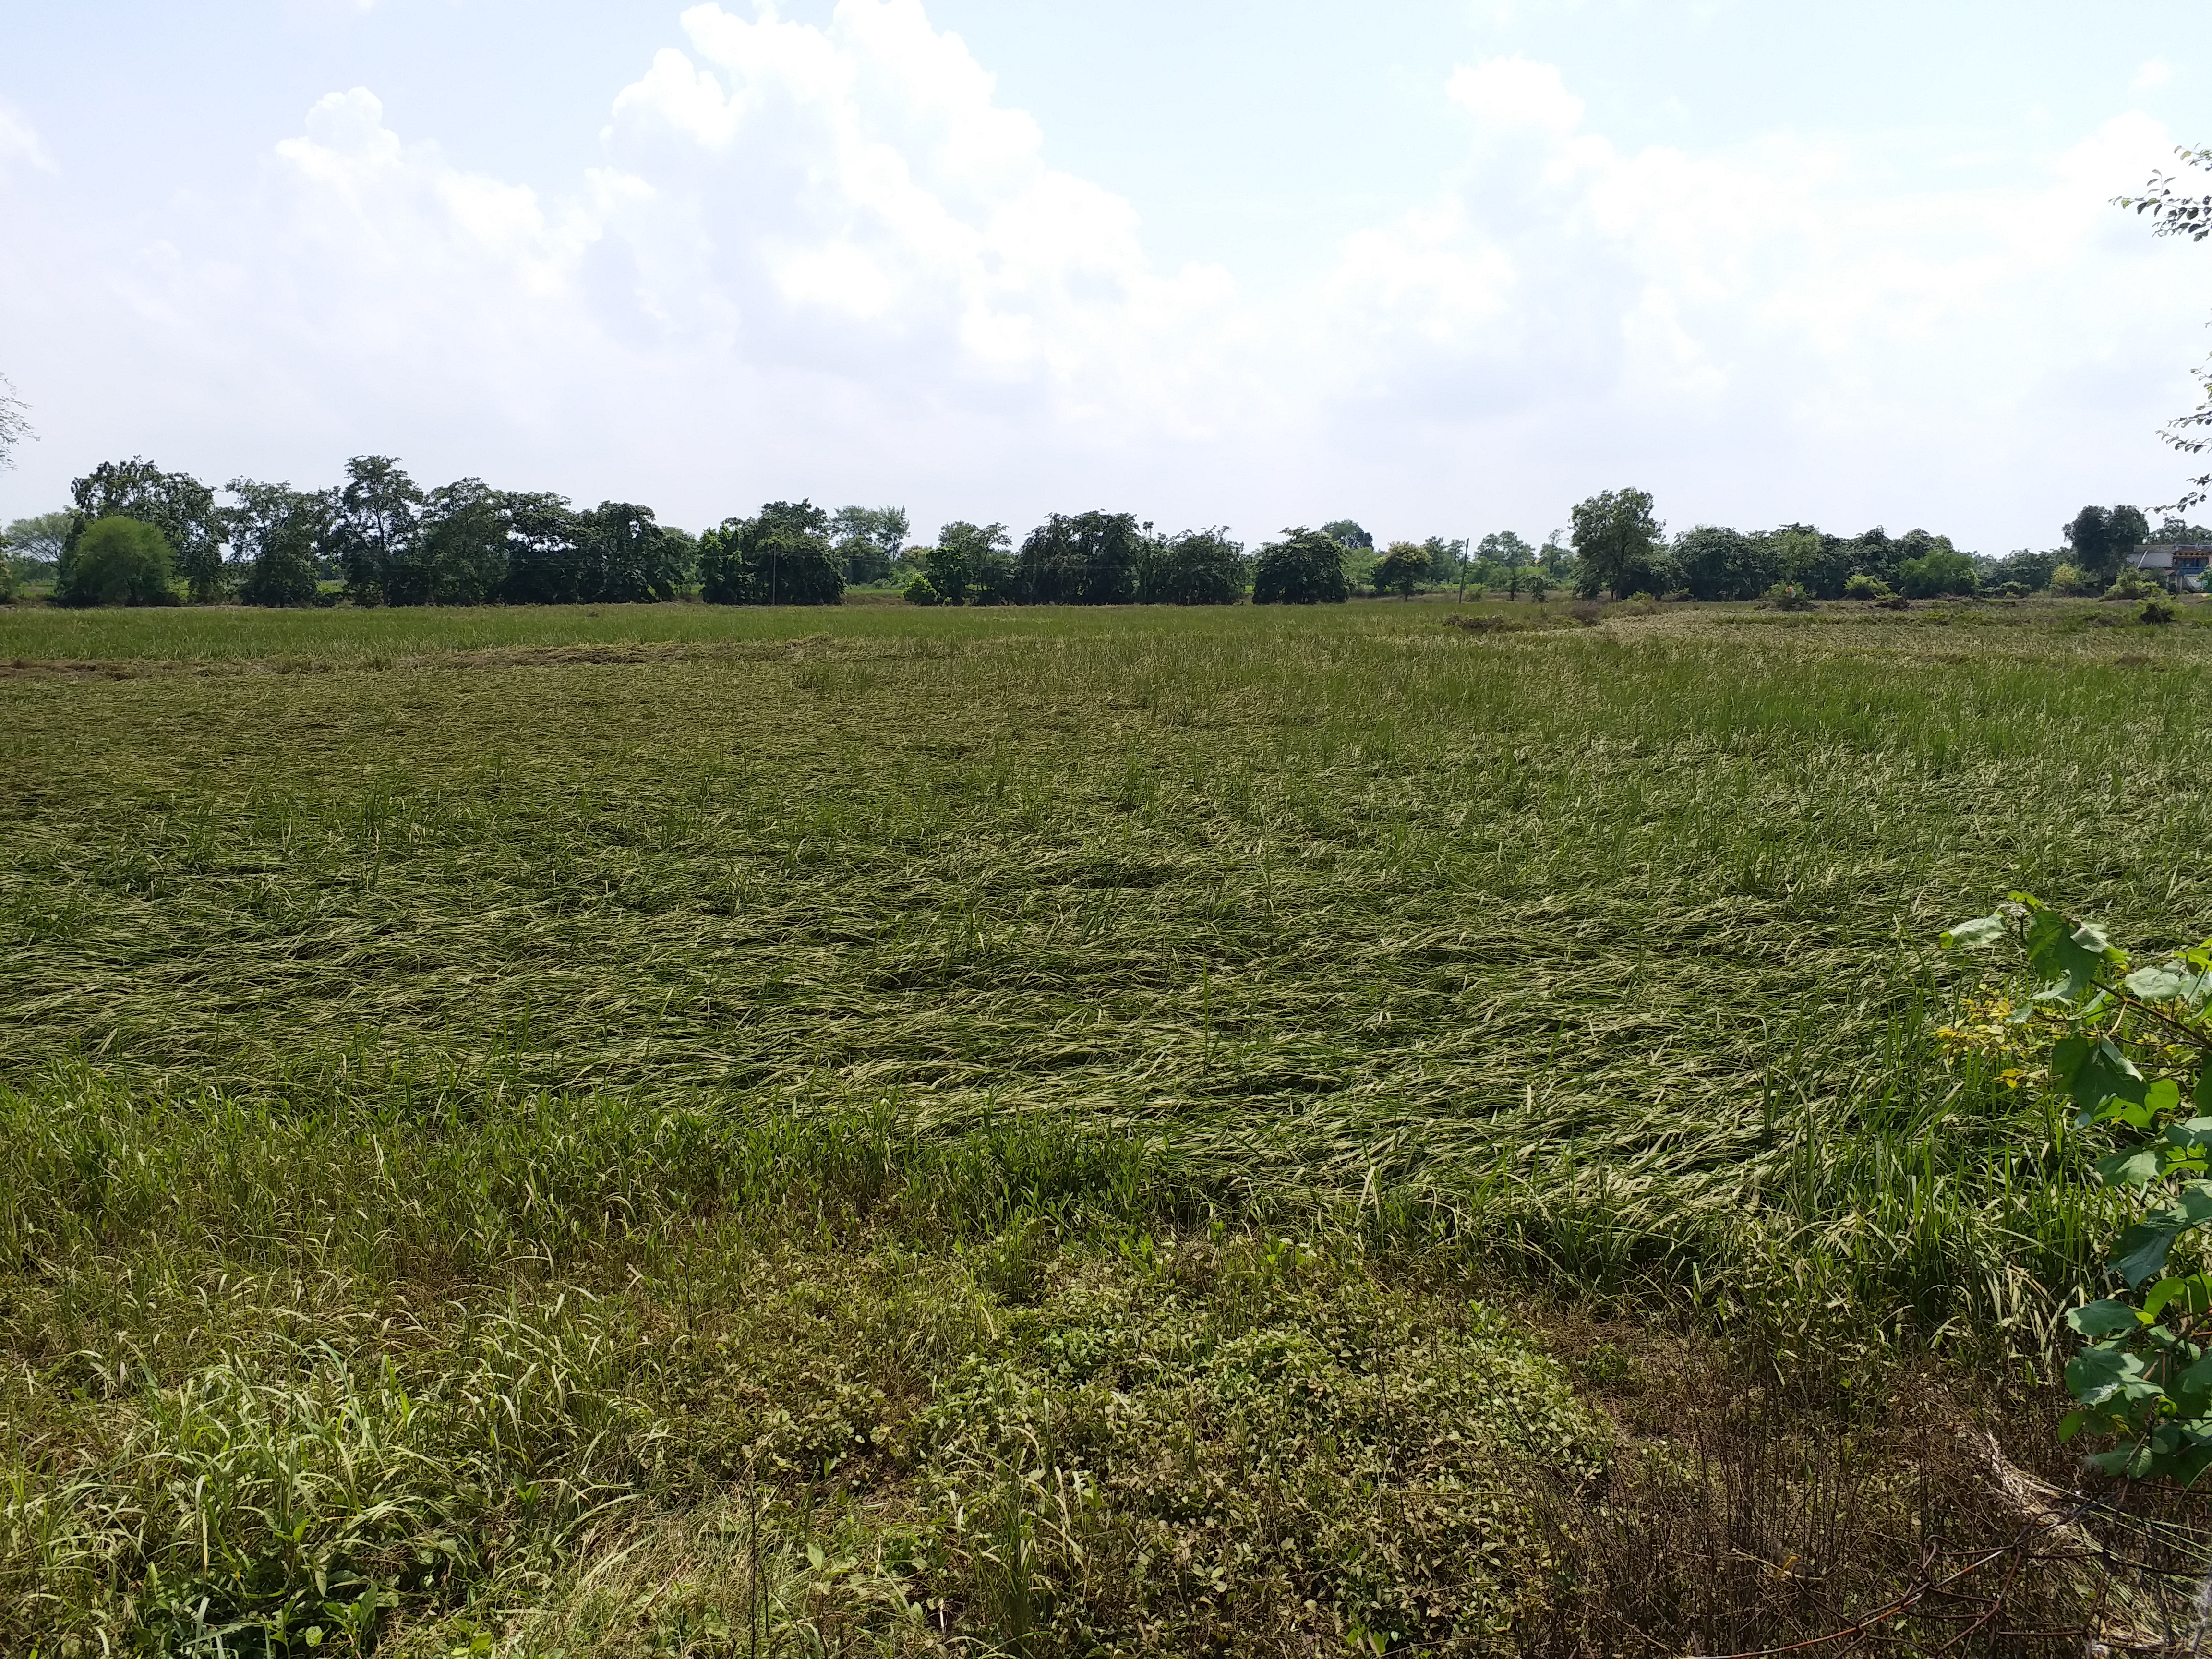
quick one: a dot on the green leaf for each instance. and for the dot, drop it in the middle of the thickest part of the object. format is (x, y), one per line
(2201, 1098)
(2093, 1071)
(2132, 1167)
(2068, 1426)
(2106, 1318)
(2162, 1097)
(2096, 1375)
(2142, 1251)
(2170, 982)
(2194, 1292)
(1971, 935)
(2064, 953)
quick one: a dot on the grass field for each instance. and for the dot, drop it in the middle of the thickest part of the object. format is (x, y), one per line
(668, 1130)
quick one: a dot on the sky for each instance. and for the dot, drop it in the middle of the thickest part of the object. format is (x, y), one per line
(1443, 268)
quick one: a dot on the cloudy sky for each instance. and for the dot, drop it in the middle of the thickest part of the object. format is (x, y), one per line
(1441, 267)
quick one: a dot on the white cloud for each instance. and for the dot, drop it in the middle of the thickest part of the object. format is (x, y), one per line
(2153, 75)
(20, 145)
(830, 260)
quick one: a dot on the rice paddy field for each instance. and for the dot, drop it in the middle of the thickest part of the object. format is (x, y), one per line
(668, 1130)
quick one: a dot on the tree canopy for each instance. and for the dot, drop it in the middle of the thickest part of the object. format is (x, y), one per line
(278, 530)
(780, 555)
(1619, 545)
(118, 560)
(1081, 558)
(1199, 567)
(177, 504)
(2103, 538)
(1305, 568)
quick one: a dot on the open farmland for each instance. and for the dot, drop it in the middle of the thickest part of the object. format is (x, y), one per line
(668, 1130)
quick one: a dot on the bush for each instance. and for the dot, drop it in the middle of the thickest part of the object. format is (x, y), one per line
(2158, 610)
(1937, 573)
(1788, 596)
(118, 562)
(2072, 579)
(919, 591)
(2133, 585)
(1863, 586)
(1304, 567)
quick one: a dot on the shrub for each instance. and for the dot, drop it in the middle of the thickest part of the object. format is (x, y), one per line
(1304, 567)
(1788, 596)
(919, 591)
(1937, 573)
(2132, 585)
(1863, 586)
(2072, 579)
(2158, 610)
(118, 562)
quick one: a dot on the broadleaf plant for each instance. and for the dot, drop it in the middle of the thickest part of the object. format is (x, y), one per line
(2132, 1048)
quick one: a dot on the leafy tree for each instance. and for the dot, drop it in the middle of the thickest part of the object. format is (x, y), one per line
(918, 591)
(1618, 546)
(2033, 571)
(1348, 533)
(1305, 568)
(1081, 558)
(14, 423)
(1402, 568)
(372, 535)
(177, 504)
(118, 560)
(276, 530)
(2174, 529)
(629, 559)
(32, 547)
(1717, 563)
(869, 539)
(1446, 559)
(2103, 538)
(971, 564)
(1936, 572)
(460, 538)
(782, 555)
(545, 556)
(1199, 567)
(1505, 560)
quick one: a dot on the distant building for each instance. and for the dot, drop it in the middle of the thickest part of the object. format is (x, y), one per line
(2178, 564)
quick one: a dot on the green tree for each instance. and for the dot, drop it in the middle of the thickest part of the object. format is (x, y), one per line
(1081, 558)
(1305, 568)
(869, 539)
(545, 558)
(1935, 573)
(177, 504)
(118, 560)
(1505, 558)
(276, 530)
(782, 555)
(1619, 545)
(1402, 568)
(971, 564)
(460, 543)
(372, 535)
(1718, 563)
(1199, 567)
(1348, 534)
(32, 547)
(629, 559)
(2103, 538)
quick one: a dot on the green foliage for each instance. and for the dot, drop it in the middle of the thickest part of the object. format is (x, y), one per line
(178, 505)
(372, 537)
(1083, 558)
(920, 590)
(2071, 580)
(869, 539)
(1863, 586)
(782, 556)
(1716, 563)
(32, 547)
(117, 560)
(1347, 533)
(1935, 573)
(1199, 567)
(1620, 546)
(1402, 568)
(2103, 538)
(1306, 567)
(2128, 1047)
(971, 564)
(277, 531)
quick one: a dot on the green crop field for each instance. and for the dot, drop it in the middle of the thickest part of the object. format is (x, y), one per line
(673, 1130)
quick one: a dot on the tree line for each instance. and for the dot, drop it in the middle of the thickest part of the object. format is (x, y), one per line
(134, 533)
